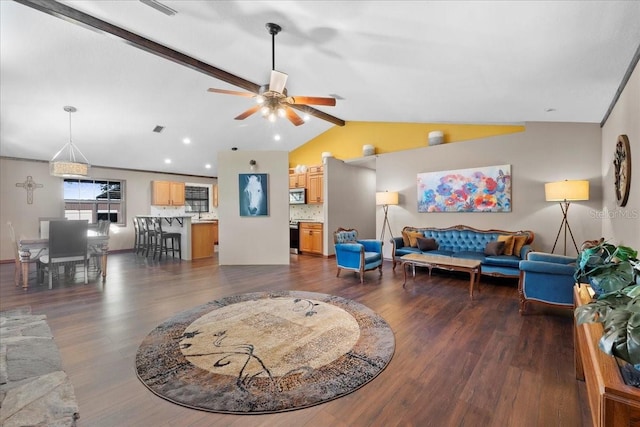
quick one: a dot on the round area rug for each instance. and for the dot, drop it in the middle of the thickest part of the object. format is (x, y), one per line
(265, 352)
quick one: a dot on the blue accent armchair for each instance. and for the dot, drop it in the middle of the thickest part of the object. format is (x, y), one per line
(548, 279)
(356, 255)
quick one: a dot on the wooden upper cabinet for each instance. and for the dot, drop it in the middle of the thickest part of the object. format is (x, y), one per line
(167, 193)
(315, 176)
(297, 180)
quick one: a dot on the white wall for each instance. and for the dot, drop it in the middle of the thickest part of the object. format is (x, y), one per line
(621, 225)
(253, 240)
(48, 200)
(545, 152)
(350, 198)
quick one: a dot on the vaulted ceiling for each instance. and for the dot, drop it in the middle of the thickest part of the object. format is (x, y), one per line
(388, 61)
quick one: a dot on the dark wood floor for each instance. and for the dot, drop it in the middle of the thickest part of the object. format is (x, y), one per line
(457, 362)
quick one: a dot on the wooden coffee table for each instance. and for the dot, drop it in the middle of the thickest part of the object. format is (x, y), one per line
(473, 267)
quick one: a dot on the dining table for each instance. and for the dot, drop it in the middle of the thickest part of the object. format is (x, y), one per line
(32, 248)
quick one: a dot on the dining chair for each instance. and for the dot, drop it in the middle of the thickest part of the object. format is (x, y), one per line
(16, 252)
(43, 225)
(67, 246)
(95, 253)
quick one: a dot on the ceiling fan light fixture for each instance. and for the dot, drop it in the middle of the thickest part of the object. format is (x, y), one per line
(281, 112)
(260, 99)
(69, 161)
(272, 117)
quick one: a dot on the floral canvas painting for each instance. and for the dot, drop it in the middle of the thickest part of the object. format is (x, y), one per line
(486, 189)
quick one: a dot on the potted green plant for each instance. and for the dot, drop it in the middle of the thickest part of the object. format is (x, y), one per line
(614, 274)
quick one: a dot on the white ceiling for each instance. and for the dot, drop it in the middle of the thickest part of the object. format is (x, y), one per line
(388, 61)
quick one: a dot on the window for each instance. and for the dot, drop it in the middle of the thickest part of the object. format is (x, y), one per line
(94, 200)
(196, 199)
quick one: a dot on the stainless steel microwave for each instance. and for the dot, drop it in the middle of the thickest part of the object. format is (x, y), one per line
(297, 196)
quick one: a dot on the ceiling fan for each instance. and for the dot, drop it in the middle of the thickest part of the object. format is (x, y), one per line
(272, 100)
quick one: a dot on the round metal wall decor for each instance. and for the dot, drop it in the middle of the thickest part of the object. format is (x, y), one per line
(622, 170)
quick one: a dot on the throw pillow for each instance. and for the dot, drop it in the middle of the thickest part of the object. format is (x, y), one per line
(518, 243)
(413, 238)
(495, 247)
(405, 239)
(427, 244)
(508, 244)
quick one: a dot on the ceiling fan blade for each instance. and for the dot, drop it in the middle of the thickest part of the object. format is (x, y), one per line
(249, 112)
(231, 92)
(278, 81)
(311, 100)
(293, 117)
(319, 114)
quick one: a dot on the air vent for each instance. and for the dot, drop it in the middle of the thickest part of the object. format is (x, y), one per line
(158, 129)
(159, 7)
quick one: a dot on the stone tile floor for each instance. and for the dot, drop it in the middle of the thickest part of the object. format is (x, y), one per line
(34, 390)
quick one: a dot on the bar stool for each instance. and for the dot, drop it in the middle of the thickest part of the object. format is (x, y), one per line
(161, 240)
(139, 235)
(150, 240)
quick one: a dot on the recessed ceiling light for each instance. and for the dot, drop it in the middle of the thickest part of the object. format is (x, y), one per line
(186, 141)
(208, 166)
(276, 137)
(167, 161)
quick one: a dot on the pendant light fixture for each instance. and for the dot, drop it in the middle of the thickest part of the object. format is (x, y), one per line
(69, 161)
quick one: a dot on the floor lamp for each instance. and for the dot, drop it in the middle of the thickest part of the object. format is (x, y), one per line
(384, 199)
(566, 192)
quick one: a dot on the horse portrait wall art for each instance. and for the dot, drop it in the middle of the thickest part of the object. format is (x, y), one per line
(254, 194)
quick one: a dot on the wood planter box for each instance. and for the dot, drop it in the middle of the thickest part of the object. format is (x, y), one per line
(612, 402)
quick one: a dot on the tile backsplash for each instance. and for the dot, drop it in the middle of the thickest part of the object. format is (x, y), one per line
(311, 212)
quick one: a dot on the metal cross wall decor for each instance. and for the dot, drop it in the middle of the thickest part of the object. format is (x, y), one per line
(29, 185)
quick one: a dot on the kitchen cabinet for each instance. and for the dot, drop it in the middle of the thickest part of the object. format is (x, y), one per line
(297, 180)
(167, 193)
(204, 236)
(315, 186)
(311, 238)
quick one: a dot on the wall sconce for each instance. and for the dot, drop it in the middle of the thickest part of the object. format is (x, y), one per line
(253, 165)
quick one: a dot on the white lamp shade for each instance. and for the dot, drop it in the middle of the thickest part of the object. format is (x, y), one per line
(68, 169)
(387, 198)
(566, 190)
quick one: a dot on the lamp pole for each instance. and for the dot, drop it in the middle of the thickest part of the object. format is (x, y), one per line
(385, 223)
(564, 225)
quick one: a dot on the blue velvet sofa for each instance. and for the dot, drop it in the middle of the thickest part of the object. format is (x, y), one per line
(461, 241)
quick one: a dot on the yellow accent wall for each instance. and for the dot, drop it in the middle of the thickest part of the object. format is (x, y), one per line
(345, 142)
